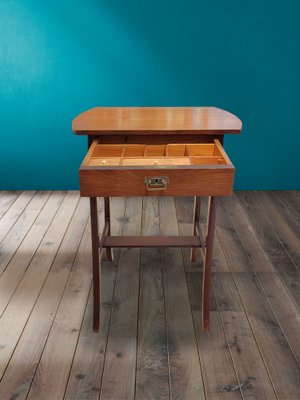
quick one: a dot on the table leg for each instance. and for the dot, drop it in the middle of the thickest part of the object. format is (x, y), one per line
(109, 253)
(197, 205)
(211, 223)
(96, 263)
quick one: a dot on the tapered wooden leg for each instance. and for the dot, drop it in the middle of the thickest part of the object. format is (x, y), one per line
(109, 252)
(96, 263)
(211, 223)
(197, 205)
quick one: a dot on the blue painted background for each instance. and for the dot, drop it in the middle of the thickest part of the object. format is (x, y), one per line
(61, 57)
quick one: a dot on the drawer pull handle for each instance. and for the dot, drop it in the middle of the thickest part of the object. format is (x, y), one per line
(156, 183)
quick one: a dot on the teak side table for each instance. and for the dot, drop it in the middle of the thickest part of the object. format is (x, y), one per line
(155, 151)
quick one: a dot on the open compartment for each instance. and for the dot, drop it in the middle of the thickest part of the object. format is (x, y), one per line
(155, 155)
(121, 169)
(106, 150)
(134, 150)
(201, 149)
(155, 150)
(176, 150)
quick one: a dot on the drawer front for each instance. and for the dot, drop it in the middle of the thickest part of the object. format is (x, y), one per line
(205, 181)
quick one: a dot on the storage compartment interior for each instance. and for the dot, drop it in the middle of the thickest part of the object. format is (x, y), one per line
(155, 155)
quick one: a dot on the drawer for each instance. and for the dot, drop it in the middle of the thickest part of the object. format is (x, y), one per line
(159, 170)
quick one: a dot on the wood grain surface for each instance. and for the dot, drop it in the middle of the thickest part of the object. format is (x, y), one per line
(87, 368)
(204, 120)
(152, 376)
(120, 361)
(151, 345)
(192, 181)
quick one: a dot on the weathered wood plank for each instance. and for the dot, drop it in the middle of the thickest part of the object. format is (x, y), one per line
(19, 308)
(277, 254)
(291, 201)
(152, 374)
(287, 229)
(17, 233)
(242, 346)
(185, 371)
(283, 307)
(219, 377)
(220, 381)
(7, 199)
(54, 366)
(253, 379)
(14, 212)
(254, 320)
(16, 381)
(87, 368)
(17, 266)
(119, 370)
(278, 357)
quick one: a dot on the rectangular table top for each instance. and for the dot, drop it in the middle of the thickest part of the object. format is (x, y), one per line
(158, 120)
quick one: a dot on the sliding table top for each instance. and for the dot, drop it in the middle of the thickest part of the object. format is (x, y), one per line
(161, 120)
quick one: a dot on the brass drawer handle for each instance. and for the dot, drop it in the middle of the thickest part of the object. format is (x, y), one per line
(156, 183)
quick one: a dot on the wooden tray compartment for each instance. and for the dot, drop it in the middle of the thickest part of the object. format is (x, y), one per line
(198, 169)
(154, 155)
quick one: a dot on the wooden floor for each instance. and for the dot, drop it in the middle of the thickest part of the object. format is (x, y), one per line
(151, 345)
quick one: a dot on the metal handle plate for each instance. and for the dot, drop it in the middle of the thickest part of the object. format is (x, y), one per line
(156, 183)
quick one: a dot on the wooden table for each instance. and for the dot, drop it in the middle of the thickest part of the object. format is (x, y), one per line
(155, 151)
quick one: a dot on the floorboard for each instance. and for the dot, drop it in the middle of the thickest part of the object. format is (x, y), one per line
(19, 230)
(287, 270)
(185, 370)
(151, 345)
(17, 312)
(152, 369)
(6, 200)
(38, 330)
(120, 360)
(87, 368)
(14, 267)
(218, 370)
(13, 212)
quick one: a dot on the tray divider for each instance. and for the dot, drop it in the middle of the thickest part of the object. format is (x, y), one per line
(123, 151)
(167, 151)
(187, 150)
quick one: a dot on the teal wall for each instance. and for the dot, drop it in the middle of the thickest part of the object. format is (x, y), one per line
(61, 57)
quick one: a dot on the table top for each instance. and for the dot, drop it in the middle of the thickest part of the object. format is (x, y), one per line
(161, 120)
